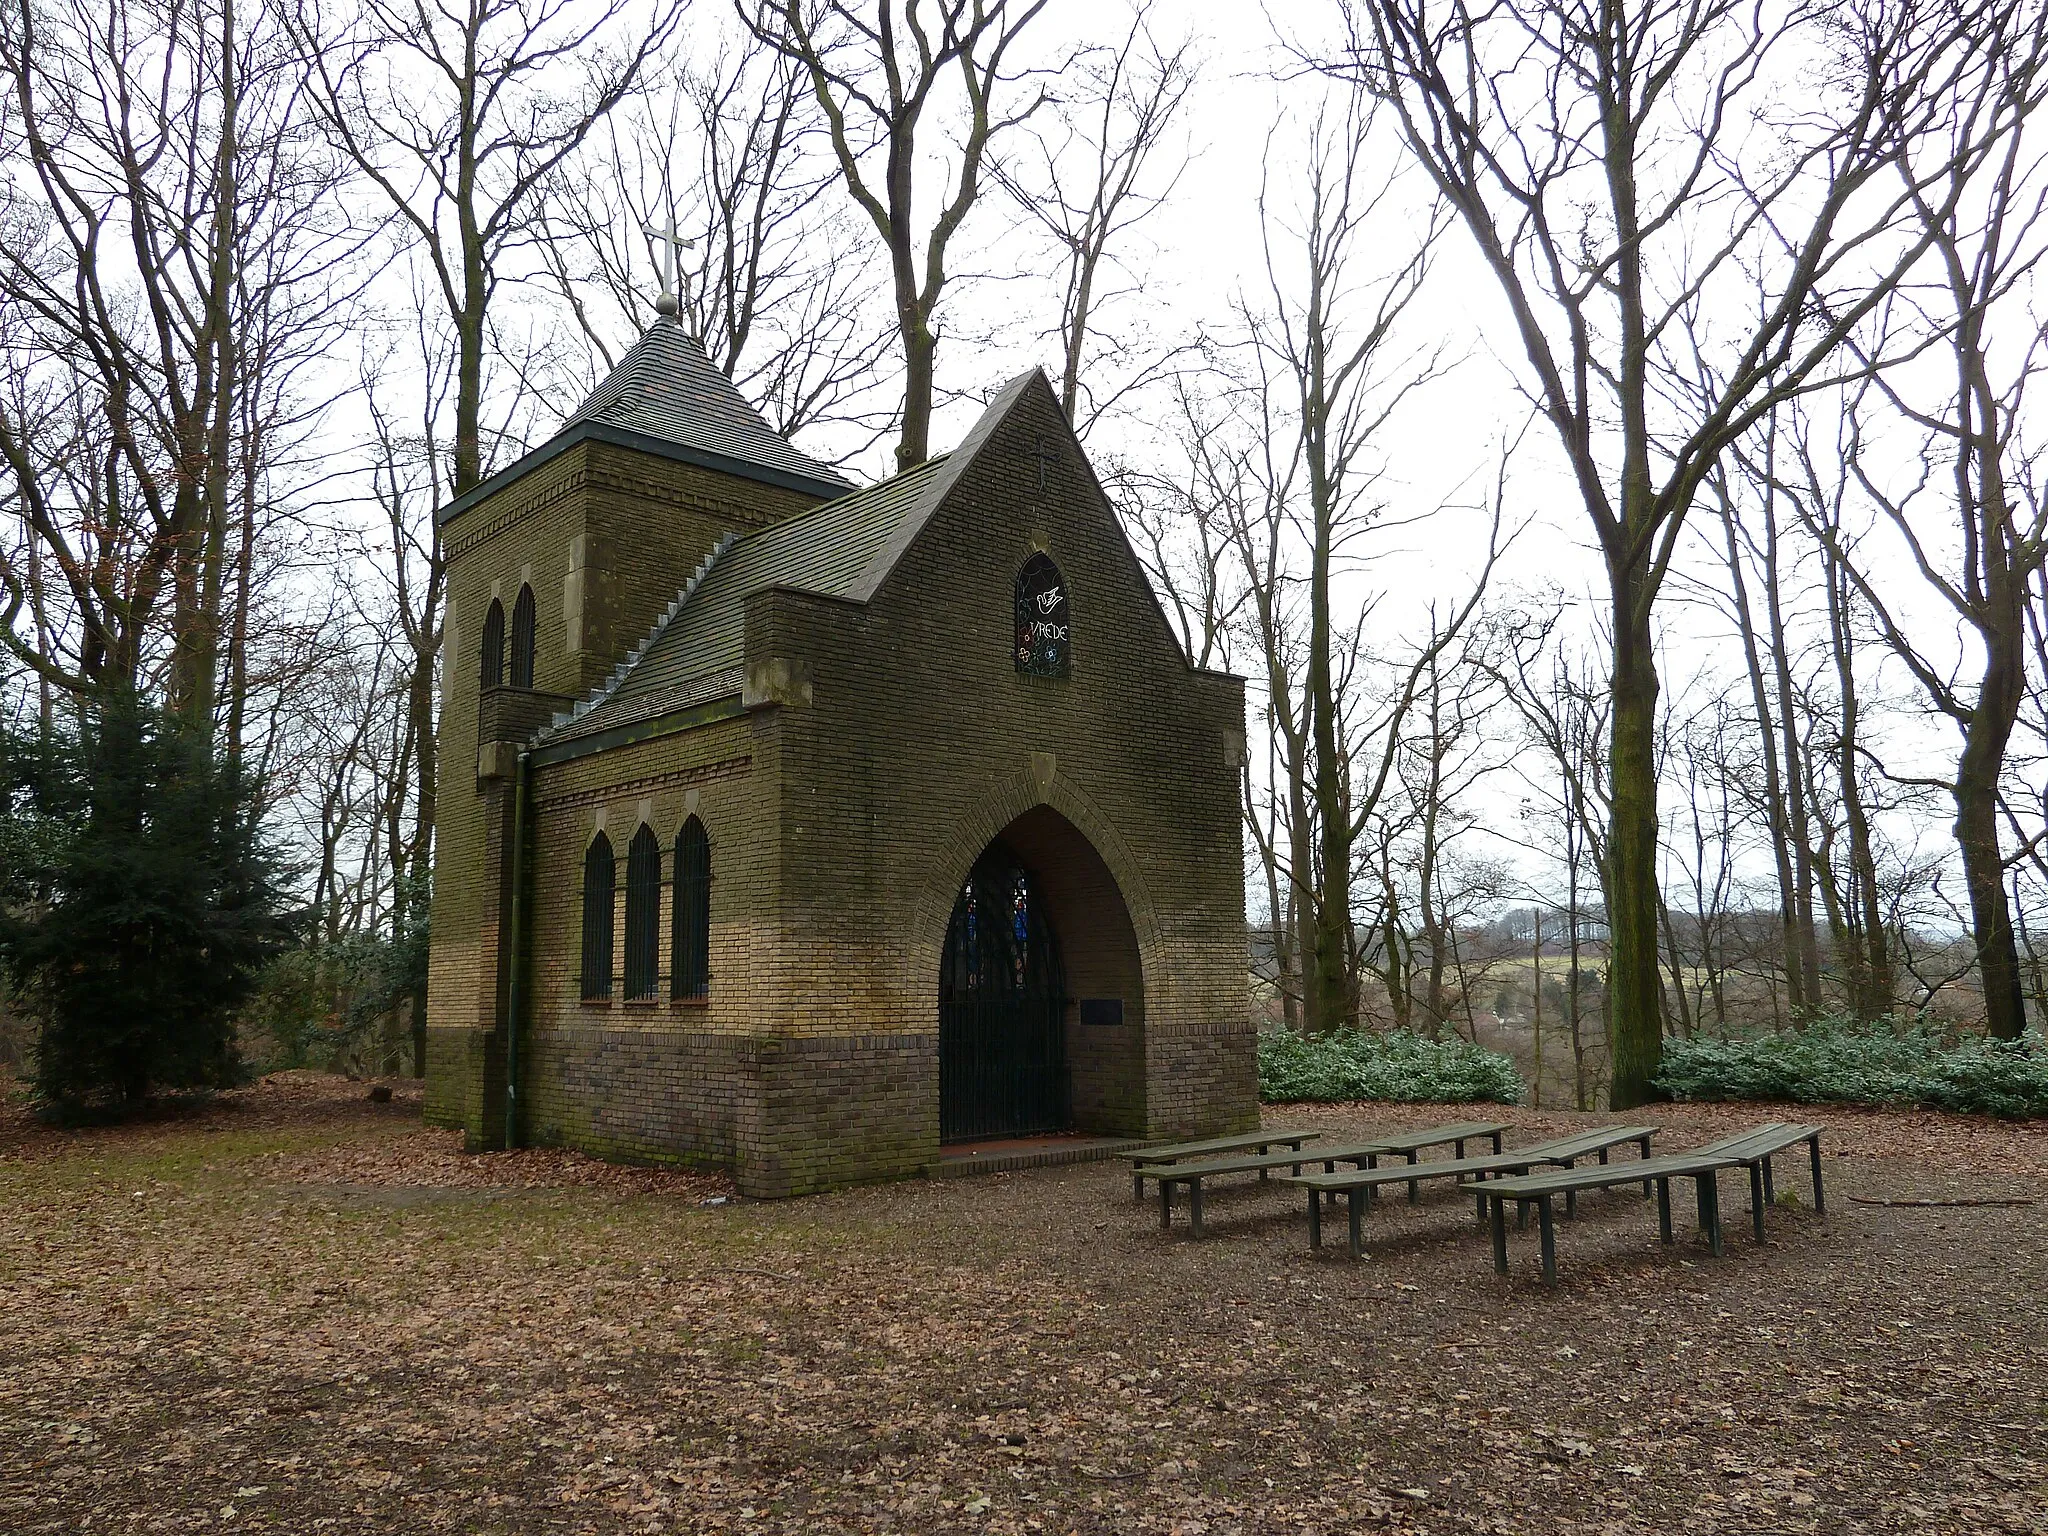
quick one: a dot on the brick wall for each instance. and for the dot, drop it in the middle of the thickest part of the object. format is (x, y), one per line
(841, 829)
(605, 537)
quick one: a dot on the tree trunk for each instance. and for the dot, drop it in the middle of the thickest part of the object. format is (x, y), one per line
(1776, 806)
(920, 357)
(1635, 983)
(1536, 1006)
(1872, 970)
(1976, 796)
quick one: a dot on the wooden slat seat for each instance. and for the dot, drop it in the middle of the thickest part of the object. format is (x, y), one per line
(1754, 1149)
(1359, 1185)
(1407, 1144)
(1750, 1149)
(1191, 1151)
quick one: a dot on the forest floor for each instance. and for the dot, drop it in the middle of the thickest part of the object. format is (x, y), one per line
(299, 1311)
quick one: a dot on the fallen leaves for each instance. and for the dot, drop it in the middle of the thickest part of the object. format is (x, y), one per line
(328, 1320)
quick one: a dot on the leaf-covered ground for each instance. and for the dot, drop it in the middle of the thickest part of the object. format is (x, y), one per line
(299, 1311)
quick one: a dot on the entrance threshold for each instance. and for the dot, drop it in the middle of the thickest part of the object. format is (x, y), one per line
(965, 1158)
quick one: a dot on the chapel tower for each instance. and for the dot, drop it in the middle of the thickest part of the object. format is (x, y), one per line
(558, 565)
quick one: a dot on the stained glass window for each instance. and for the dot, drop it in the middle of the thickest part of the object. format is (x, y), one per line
(1044, 633)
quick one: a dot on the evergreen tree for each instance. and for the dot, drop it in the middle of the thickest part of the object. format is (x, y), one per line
(137, 902)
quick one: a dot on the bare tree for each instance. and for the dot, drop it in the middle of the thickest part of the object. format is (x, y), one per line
(1816, 485)
(1563, 711)
(1327, 339)
(782, 294)
(1590, 156)
(458, 118)
(164, 211)
(1090, 183)
(1767, 661)
(875, 80)
(1982, 217)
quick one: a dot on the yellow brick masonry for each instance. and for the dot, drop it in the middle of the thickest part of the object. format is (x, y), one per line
(841, 829)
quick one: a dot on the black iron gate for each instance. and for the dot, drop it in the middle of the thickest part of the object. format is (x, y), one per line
(1002, 1008)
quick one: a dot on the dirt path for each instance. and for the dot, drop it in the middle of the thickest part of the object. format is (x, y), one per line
(302, 1312)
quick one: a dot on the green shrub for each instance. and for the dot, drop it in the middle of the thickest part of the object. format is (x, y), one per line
(1355, 1064)
(1843, 1061)
(138, 903)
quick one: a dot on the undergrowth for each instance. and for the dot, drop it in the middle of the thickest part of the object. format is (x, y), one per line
(1403, 1067)
(1838, 1060)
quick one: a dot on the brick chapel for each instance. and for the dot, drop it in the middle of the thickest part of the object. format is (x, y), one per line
(801, 829)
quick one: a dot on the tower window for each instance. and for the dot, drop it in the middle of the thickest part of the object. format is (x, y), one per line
(522, 639)
(600, 880)
(692, 935)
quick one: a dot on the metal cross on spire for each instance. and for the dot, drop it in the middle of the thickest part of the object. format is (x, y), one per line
(666, 303)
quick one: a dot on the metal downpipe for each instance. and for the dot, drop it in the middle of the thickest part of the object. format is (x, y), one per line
(515, 990)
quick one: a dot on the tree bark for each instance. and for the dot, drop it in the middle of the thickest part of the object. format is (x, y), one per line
(1635, 976)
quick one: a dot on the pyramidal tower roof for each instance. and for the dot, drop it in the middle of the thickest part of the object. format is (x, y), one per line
(666, 387)
(666, 396)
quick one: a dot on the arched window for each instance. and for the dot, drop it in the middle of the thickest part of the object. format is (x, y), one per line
(643, 915)
(691, 939)
(522, 639)
(1044, 635)
(600, 879)
(494, 645)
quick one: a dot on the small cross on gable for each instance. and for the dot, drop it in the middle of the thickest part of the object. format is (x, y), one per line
(1047, 455)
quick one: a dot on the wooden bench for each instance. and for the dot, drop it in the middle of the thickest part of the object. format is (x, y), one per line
(1363, 1154)
(1754, 1150)
(1360, 1185)
(1191, 1151)
(1751, 1149)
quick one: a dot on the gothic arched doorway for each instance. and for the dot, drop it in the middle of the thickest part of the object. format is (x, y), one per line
(1002, 1007)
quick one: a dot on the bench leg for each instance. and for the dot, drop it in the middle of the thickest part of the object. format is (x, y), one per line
(1770, 1186)
(1315, 1219)
(1820, 1204)
(1137, 1186)
(1500, 1236)
(1521, 1215)
(1549, 1241)
(1710, 1196)
(1571, 1196)
(1414, 1185)
(1357, 1222)
(1496, 1143)
(1700, 1185)
(1372, 1163)
(1756, 1200)
(1643, 1144)
(1195, 1206)
(1603, 1157)
(1166, 1202)
(1663, 1210)
(1459, 1144)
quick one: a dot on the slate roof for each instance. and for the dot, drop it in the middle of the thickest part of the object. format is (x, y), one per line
(666, 387)
(696, 651)
(665, 397)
